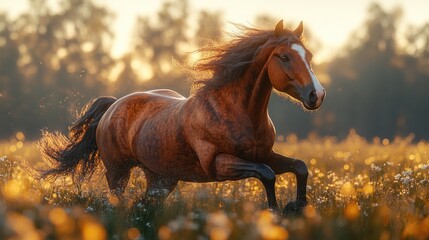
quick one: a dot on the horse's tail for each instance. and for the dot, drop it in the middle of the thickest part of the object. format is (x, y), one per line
(77, 153)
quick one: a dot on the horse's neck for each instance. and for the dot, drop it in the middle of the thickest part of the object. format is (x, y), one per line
(250, 93)
(259, 96)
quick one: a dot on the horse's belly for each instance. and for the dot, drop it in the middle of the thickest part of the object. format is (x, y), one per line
(181, 165)
(163, 150)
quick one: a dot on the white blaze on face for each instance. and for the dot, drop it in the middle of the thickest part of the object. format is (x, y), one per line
(320, 92)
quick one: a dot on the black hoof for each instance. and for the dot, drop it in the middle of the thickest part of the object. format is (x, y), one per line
(294, 208)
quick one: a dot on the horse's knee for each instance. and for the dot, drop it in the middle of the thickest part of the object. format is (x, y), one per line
(300, 168)
(266, 173)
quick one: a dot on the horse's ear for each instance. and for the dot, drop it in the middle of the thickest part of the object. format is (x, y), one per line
(298, 31)
(279, 28)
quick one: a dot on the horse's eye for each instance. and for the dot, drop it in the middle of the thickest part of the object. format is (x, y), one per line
(284, 58)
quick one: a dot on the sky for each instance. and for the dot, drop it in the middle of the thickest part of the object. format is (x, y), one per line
(330, 21)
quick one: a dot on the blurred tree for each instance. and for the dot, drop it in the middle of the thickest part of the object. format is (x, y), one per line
(127, 80)
(86, 38)
(11, 80)
(361, 85)
(415, 66)
(158, 43)
(210, 27)
(418, 43)
(369, 91)
(63, 60)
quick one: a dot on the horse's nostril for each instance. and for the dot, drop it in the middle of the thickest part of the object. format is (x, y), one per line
(313, 97)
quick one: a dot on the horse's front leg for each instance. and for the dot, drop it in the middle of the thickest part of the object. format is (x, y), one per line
(281, 164)
(229, 167)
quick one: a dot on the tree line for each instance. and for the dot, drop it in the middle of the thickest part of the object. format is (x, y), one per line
(53, 62)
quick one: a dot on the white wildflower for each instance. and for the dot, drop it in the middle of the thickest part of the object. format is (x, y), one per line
(3, 158)
(397, 176)
(406, 180)
(424, 166)
(375, 168)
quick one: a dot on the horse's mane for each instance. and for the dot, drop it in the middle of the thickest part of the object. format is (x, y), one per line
(225, 62)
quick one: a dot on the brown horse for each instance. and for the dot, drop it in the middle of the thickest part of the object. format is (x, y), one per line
(221, 132)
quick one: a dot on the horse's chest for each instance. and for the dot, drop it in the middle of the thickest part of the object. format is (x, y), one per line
(252, 149)
(254, 153)
(247, 143)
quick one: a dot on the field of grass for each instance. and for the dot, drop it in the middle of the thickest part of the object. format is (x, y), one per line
(357, 190)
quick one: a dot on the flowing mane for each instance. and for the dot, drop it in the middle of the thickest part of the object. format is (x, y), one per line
(226, 62)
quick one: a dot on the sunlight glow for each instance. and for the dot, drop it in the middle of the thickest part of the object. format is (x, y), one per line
(332, 26)
(143, 69)
(351, 211)
(93, 230)
(12, 189)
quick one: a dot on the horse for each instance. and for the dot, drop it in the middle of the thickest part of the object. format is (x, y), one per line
(221, 132)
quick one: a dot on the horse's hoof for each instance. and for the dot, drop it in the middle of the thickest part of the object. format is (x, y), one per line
(275, 210)
(294, 208)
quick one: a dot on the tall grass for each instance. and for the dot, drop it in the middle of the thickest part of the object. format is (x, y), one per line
(357, 190)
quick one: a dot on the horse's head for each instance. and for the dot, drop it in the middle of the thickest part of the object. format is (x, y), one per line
(289, 68)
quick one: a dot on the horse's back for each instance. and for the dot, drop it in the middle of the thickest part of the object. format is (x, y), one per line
(122, 121)
(137, 104)
(165, 93)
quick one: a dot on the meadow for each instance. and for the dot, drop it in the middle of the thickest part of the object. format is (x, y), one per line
(357, 189)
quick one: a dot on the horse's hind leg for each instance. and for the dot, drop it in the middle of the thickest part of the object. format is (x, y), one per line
(158, 188)
(118, 177)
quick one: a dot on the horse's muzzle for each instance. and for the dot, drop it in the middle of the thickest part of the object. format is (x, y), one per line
(314, 99)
